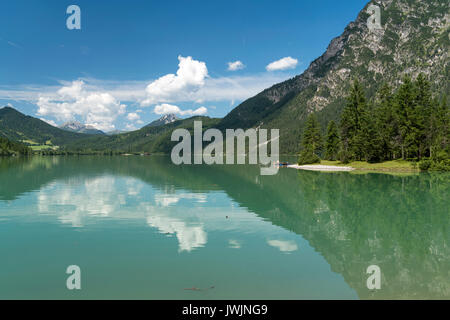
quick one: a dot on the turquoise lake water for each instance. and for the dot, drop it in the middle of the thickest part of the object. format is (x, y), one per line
(143, 228)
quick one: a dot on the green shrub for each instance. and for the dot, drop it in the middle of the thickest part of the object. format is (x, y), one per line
(440, 156)
(443, 165)
(425, 165)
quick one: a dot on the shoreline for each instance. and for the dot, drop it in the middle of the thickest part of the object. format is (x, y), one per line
(355, 167)
(320, 167)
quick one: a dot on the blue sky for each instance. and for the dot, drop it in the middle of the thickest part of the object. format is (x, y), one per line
(120, 70)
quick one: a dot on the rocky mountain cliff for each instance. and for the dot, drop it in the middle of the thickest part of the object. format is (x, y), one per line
(413, 38)
(165, 119)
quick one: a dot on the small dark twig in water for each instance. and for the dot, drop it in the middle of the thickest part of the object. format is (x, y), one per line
(198, 289)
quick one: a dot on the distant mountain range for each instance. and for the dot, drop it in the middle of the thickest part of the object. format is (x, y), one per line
(75, 126)
(156, 139)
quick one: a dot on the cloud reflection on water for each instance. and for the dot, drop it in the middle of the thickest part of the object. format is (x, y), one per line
(80, 202)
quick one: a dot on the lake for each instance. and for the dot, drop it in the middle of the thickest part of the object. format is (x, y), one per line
(143, 228)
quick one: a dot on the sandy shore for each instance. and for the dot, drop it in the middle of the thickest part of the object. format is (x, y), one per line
(318, 167)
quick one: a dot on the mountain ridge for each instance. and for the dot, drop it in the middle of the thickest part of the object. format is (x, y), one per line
(75, 126)
(163, 120)
(16, 126)
(413, 39)
(156, 139)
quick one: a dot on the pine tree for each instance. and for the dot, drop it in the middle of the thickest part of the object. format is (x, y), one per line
(441, 133)
(352, 124)
(404, 106)
(332, 141)
(421, 115)
(311, 141)
(385, 122)
(372, 137)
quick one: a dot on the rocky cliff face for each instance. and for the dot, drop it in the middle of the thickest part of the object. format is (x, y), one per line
(413, 38)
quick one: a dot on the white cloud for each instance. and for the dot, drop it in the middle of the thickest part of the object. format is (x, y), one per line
(190, 77)
(133, 116)
(50, 122)
(282, 64)
(283, 245)
(96, 102)
(130, 127)
(236, 88)
(236, 65)
(185, 215)
(234, 244)
(96, 108)
(95, 198)
(189, 236)
(13, 44)
(166, 108)
(232, 89)
(165, 200)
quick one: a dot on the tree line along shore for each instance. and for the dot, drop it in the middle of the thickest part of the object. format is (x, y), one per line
(407, 127)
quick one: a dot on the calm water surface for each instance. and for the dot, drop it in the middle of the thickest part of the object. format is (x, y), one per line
(142, 228)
